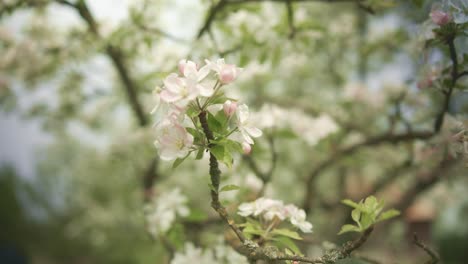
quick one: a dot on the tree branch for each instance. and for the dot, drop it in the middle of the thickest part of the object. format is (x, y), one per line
(216, 8)
(448, 94)
(338, 155)
(215, 175)
(116, 56)
(425, 183)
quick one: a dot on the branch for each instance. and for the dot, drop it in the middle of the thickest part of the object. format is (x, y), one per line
(453, 56)
(434, 258)
(290, 12)
(249, 248)
(264, 176)
(215, 9)
(461, 74)
(426, 182)
(215, 175)
(340, 154)
(115, 54)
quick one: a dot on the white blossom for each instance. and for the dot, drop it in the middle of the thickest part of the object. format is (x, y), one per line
(164, 209)
(270, 209)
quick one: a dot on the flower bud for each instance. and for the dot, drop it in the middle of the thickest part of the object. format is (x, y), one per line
(228, 73)
(247, 148)
(440, 17)
(181, 65)
(229, 107)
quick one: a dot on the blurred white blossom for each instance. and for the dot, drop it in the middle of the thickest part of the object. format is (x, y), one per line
(163, 210)
(270, 209)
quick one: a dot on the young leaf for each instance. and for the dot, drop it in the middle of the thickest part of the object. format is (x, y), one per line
(218, 152)
(200, 152)
(230, 187)
(349, 228)
(356, 215)
(178, 161)
(288, 243)
(287, 233)
(388, 214)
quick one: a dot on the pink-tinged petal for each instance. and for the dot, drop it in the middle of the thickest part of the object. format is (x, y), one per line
(440, 18)
(229, 107)
(168, 154)
(253, 131)
(190, 70)
(181, 65)
(227, 74)
(247, 148)
(173, 83)
(169, 97)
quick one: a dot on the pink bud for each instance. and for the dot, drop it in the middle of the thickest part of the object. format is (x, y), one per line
(182, 66)
(229, 107)
(228, 73)
(440, 18)
(246, 148)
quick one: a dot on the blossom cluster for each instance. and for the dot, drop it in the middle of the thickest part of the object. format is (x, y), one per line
(193, 91)
(270, 209)
(220, 254)
(162, 212)
(311, 129)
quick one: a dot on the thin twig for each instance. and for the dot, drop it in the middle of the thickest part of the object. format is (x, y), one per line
(340, 154)
(434, 258)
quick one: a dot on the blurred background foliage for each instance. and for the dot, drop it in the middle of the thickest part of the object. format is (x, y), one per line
(87, 80)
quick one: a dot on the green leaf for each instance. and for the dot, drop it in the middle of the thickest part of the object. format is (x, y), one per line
(252, 229)
(233, 146)
(388, 214)
(218, 152)
(350, 203)
(288, 243)
(349, 228)
(200, 153)
(286, 233)
(197, 215)
(356, 215)
(230, 187)
(212, 187)
(179, 161)
(214, 124)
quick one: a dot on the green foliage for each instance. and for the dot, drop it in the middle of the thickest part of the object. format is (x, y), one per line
(367, 213)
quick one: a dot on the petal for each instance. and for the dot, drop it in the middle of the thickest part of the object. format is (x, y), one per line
(190, 69)
(205, 90)
(203, 72)
(169, 97)
(253, 131)
(173, 83)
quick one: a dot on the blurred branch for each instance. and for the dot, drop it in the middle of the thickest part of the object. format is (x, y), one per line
(340, 154)
(131, 88)
(264, 176)
(434, 258)
(425, 181)
(461, 74)
(216, 8)
(290, 13)
(448, 93)
(160, 32)
(117, 58)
